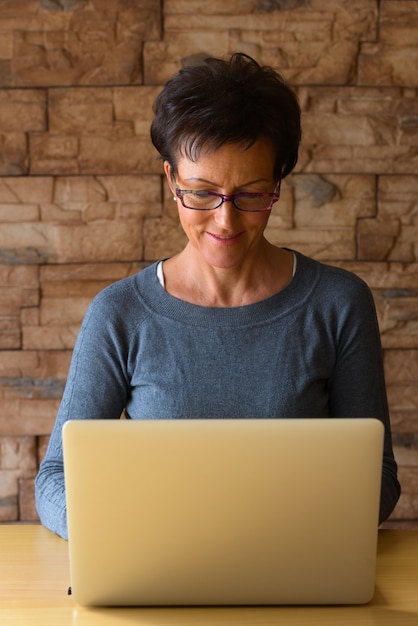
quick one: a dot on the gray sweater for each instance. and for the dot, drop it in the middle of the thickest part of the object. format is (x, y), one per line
(311, 350)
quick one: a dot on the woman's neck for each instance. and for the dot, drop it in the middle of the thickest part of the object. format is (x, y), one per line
(191, 280)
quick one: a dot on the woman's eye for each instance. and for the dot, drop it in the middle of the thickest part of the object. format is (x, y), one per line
(202, 194)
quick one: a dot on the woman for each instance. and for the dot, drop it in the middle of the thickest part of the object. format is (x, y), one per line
(232, 326)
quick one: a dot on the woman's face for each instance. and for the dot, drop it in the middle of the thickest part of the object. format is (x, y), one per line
(226, 237)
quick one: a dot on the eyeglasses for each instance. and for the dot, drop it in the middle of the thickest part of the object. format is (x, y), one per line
(208, 200)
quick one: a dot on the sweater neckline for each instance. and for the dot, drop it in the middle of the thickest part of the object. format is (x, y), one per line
(284, 302)
(161, 279)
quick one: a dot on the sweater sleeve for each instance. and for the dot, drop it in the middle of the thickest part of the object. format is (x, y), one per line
(357, 386)
(96, 388)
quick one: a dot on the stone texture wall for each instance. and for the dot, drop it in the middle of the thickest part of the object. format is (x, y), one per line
(83, 202)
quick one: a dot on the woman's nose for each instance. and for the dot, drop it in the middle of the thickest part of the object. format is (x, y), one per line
(226, 214)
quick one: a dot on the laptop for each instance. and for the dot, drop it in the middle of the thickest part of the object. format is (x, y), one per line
(222, 512)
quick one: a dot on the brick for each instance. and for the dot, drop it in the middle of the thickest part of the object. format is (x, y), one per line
(54, 213)
(393, 58)
(316, 45)
(80, 110)
(407, 507)
(19, 213)
(23, 389)
(15, 256)
(363, 131)
(144, 191)
(78, 191)
(80, 45)
(18, 460)
(13, 154)
(378, 65)
(29, 316)
(20, 416)
(14, 364)
(27, 505)
(8, 483)
(30, 237)
(401, 366)
(403, 397)
(59, 293)
(282, 215)
(19, 276)
(14, 298)
(407, 338)
(129, 196)
(47, 147)
(102, 154)
(99, 241)
(376, 238)
(406, 455)
(404, 421)
(22, 109)
(10, 335)
(134, 105)
(113, 155)
(398, 318)
(6, 46)
(56, 166)
(18, 453)
(40, 365)
(163, 59)
(394, 279)
(9, 511)
(209, 7)
(102, 273)
(260, 16)
(163, 237)
(26, 190)
(347, 130)
(53, 338)
(51, 365)
(323, 244)
(43, 442)
(332, 201)
(63, 311)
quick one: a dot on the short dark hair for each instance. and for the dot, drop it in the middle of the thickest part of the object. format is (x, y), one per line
(227, 101)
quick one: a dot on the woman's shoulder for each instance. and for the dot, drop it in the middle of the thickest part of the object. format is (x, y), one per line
(126, 294)
(328, 271)
(333, 282)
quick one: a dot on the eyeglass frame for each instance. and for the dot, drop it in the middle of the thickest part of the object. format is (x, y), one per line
(275, 195)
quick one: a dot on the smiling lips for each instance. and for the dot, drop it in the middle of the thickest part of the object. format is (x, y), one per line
(225, 240)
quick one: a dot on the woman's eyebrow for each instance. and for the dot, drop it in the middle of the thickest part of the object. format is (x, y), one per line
(211, 182)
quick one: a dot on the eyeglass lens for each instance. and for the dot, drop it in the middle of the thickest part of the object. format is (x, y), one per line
(210, 200)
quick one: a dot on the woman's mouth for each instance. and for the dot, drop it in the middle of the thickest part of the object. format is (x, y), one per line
(225, 240)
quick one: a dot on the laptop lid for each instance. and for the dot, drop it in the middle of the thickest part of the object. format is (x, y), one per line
(215, 512)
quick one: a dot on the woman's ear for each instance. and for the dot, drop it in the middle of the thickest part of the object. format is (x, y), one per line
(168, 171)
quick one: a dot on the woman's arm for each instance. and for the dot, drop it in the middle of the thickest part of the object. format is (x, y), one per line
(357, 387)
(97, 387)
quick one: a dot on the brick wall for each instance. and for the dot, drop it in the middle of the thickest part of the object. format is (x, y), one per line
(83, 203)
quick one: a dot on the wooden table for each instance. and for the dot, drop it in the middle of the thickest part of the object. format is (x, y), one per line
(34, 579)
